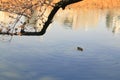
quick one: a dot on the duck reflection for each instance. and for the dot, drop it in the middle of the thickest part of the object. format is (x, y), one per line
(113, 21)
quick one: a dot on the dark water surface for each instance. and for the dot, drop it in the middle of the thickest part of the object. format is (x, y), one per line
(54, 56)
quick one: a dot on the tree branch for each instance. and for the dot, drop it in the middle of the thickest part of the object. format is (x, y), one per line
(62, 4)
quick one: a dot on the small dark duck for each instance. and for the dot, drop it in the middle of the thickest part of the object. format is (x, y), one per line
(79, 49)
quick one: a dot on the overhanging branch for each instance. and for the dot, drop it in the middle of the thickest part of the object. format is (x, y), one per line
(62, 4)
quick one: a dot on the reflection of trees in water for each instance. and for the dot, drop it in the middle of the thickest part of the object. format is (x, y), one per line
(109, 20)
(35, 13)
(13, 21)
(29, 16)
(68, 22)
(79, 18)
(113, 21)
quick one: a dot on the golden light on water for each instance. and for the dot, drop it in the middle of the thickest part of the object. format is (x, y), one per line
(76, 19)
(81, 18)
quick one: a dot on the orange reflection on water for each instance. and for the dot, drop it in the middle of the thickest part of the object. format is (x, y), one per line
(90, 18)
(82, 18)
(113, 20)
(77, 19)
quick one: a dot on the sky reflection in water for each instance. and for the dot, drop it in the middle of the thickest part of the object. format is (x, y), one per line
(54, 56)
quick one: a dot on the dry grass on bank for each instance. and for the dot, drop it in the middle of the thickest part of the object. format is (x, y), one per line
(101, 4)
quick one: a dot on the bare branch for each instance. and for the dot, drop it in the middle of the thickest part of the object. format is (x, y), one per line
(30, 6)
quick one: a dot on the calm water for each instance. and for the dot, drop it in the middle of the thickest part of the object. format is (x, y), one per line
(54, 56)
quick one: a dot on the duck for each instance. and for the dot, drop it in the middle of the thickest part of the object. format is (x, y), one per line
(79, 49)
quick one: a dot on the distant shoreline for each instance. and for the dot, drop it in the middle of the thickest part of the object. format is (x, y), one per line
(101, 4)
(85, 4)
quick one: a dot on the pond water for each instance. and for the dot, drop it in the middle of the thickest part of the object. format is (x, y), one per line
(54, 56)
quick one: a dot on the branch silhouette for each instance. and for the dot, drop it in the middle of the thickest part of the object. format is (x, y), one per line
(61, 4)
